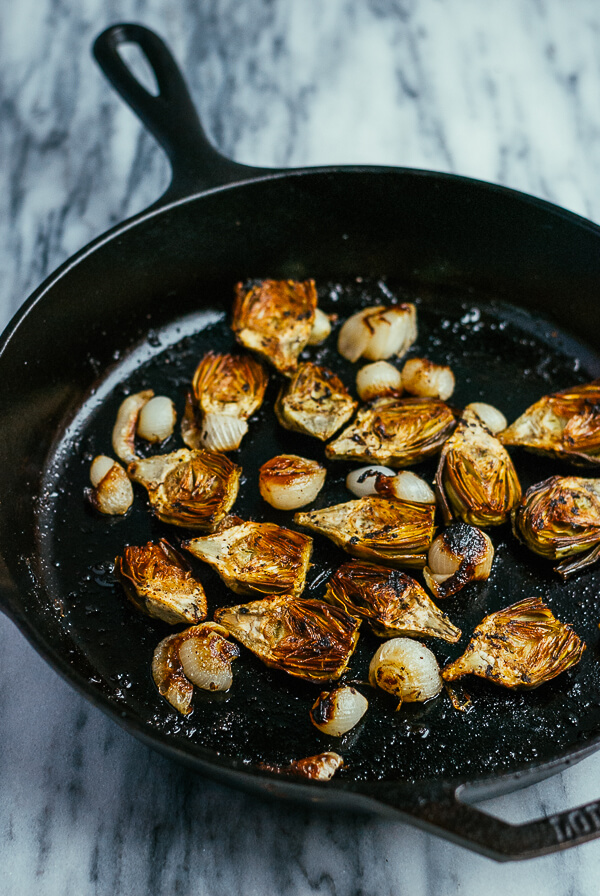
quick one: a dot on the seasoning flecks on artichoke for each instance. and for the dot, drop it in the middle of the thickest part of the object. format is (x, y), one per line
(563, 424)
(559, 518)
(395, 432)
(521, 646)
(226, 390)
(257, 558)
(191, 488)
(200, 656)
(392, 602)
(158, 581)
(274, 318)
(397, 533)
(459, 555)
(476, 478)
(308, 639)
(315, 402)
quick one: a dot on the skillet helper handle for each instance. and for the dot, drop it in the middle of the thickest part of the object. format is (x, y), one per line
(170, 116)
(465, 824)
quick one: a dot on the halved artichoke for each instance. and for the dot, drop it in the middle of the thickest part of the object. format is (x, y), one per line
(191, 488)
(226, 390)
(201, 656)
(157, 580)
(560, 518)
(274, 318)
(256, 558)
(397, 533)
(476, 478)
(308, 639)
(392, 602)
(315, 402)
(563, 424)
(521, 646)
(395, 432)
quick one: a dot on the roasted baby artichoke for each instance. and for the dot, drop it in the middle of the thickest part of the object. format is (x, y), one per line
(564, 424)
(195, 489)
(157, 581)
(397, 533)
(315, 402)
(226, 390)
(274, 318)
(476, 478)
(201, 656)
(308, 639)
(256, 558)
(395, 432)
(392, 602)
(519, 647)
(560, 518)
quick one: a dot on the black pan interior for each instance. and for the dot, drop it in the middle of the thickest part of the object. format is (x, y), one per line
(499, 354)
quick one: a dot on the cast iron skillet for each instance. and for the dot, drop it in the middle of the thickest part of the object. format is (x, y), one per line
(506, 288)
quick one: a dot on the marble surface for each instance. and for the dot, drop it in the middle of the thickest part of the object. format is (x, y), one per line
(506, 91)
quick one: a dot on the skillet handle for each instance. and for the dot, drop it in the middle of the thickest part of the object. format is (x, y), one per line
(170, 116)
(446, 815)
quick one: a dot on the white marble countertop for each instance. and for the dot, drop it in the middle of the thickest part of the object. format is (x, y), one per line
(507, 91)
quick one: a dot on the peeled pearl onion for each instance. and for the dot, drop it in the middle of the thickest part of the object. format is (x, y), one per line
(407, 669)
(377, 379)
(407, 486)
(204, 665)
(424, 378)
(338, 711)
(321, 328)
(99, 468)
(489, 415)
(361, 482)
(156, 419)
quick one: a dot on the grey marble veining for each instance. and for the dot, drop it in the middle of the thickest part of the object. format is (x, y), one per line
(504, 91)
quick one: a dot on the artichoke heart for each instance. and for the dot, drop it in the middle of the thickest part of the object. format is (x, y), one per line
(308, 639)
(395, 432)
(392, 602)
(398, 533)
(274, 318)
(257, 558)
(157, 581)
(315, 402)
(191, 488)
(521, 646)
(564, 424)
(476, 478)
(560, 518)
(226, 390)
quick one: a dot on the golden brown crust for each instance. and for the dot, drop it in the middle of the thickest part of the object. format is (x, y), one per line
(274, 318)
